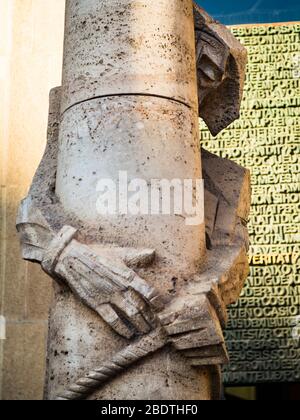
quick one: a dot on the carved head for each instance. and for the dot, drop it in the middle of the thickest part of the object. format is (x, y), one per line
(221, 64)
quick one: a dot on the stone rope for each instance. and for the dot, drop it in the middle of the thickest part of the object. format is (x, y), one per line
(89, 383)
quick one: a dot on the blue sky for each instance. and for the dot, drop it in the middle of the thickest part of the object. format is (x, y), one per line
(252, 11)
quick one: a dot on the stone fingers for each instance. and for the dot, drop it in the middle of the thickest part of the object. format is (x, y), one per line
(148, 292)
(128, 314)
(194, 329)
(207, 355)
(112, 318)
(134, 310)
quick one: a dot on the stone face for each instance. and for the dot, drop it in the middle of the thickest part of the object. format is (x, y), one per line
(133, 291)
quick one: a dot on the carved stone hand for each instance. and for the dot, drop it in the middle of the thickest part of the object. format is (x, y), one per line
(195, 318)
(104, 282)
(101, 276)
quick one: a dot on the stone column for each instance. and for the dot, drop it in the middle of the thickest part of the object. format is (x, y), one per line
(129, 103)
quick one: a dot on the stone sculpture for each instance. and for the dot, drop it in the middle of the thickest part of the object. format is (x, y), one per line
(139, 300)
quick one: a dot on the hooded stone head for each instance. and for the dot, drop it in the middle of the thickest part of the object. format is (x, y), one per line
(221, 66)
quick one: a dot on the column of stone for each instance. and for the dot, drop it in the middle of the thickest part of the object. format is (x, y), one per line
(129, 103)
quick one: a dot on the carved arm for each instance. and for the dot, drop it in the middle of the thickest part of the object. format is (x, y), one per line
(102, 278)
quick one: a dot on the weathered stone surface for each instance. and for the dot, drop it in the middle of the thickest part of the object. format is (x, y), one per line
(221, 66)
(122, 277)
(129, 47)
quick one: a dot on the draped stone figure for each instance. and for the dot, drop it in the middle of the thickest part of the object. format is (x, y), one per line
(139, 299)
